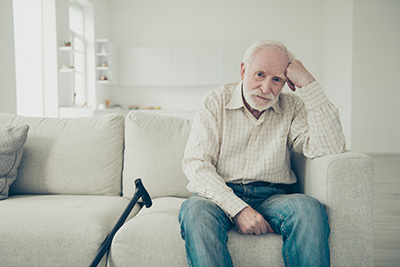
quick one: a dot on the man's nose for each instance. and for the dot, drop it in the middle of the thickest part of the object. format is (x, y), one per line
(266, 86)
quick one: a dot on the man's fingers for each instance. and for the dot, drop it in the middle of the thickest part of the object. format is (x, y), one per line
(270, 230)
(298, 75)
(264, 230)
(291, 85)
(267, 228)
(248, 222)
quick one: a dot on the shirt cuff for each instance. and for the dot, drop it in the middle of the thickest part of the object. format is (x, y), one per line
(313, 95)
(231, 204)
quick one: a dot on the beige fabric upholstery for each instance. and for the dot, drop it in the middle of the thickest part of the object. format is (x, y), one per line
(152, 238)
(70, 156)
(55, 230)
(154, 147)
(344, 183)
(341, 182)
(12, 138)
(84, 156)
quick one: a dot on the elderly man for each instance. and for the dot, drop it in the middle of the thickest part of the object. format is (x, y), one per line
(237, 161)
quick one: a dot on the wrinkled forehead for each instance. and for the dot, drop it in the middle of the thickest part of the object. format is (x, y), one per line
(270, 59)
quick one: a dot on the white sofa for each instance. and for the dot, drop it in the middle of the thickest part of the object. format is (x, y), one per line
(76, 177)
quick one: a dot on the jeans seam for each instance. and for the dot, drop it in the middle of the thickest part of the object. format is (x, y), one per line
(287, 240)
(190, 262)
(189, 259)
(279, 216)
(226, 246)
(282, 219)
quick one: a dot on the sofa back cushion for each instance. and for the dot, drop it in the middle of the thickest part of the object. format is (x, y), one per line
(154, 148)
(71, 155)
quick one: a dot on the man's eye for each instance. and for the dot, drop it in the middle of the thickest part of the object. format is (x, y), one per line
(277, 80)
(260, 75)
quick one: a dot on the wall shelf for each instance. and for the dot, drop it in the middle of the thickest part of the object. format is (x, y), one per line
(65, 48)
(104, 61)
(103, 82)
(66, 70)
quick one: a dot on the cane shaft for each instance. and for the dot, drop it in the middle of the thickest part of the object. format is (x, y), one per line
(140, 191)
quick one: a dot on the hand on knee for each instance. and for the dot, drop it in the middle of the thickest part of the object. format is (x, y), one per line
(248, 222)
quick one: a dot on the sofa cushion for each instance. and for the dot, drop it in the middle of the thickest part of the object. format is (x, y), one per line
(152, 238)
(154, 148)
(70, 156)
(11, 142)
(56, 230)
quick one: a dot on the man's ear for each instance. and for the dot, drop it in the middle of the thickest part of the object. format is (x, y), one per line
(242, 69)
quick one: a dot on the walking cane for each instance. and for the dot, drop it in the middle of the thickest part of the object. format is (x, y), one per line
(140, 192)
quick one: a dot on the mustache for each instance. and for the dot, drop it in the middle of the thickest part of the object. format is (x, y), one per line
(269, 96)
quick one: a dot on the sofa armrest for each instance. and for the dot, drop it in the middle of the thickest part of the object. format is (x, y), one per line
(344, 184)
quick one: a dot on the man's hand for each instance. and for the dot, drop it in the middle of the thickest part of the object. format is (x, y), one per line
(248, 222)
(297, 75)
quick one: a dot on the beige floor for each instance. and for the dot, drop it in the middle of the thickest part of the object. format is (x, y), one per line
(387, 210)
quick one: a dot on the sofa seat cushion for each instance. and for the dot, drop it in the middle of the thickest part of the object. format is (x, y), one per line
(152, 238)
(56, 230)
(71, 156)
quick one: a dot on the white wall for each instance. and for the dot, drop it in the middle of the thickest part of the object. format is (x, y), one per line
(351, 47)
(337, 39)
(202, 23)
(29, 57)
(50, 68)
(8, 98)
(376, 68)
(36, 57)
(102, 31)
(89, 25)
(65, 90)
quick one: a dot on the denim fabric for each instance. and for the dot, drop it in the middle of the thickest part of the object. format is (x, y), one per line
(300, 219)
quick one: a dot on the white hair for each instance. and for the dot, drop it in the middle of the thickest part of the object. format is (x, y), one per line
(261, 44)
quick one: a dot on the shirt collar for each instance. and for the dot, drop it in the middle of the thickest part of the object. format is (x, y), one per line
(236, 101)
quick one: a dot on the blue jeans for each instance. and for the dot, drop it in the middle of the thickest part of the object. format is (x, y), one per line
(300, 219)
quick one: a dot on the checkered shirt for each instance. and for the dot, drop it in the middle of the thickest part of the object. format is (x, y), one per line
(228, 144)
